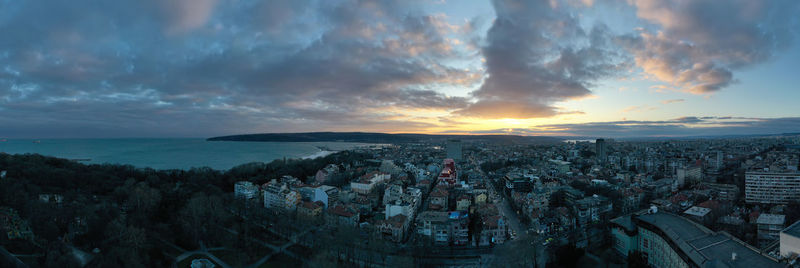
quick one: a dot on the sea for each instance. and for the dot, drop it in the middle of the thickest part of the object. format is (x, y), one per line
(172, 153)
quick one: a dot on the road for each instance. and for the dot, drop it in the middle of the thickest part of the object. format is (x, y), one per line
(513, 220)
(502, 204)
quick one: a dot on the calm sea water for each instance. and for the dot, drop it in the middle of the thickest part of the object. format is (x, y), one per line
(171, 153)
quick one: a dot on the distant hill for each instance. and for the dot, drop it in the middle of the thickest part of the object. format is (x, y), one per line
(367, 137)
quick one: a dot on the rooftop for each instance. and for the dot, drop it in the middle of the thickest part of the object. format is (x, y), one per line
(697, 211)
(772, 219)
(705, 247)
(793, 230)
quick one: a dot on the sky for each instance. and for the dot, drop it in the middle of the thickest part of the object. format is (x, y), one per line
(200, 68)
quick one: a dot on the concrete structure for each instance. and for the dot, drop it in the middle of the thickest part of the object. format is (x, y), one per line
(769, 228)
(764, 187)
(454, 150)
(668, 240)
(790, 241)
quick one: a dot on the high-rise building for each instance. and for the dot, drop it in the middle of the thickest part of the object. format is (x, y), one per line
(454, 149)
(601, 150)
(765, 187)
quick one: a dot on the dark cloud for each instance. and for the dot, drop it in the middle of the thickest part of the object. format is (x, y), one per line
(536, 54)
(683, 126)
(187, 67)
(206, 67)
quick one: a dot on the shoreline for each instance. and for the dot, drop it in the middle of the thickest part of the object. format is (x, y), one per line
(321, 153)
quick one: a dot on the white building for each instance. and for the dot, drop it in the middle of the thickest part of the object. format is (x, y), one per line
(367, 183)
(790, 241)
(274, 194)
(399, 208)
(245, 189)
(765, 187)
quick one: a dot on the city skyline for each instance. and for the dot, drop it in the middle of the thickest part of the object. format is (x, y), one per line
(636, 68)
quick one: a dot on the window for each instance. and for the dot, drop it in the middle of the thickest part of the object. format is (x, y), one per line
(645, 243)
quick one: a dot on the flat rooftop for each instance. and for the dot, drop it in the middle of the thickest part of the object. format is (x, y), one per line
(705, 247)
(771, 219)
(793, 230)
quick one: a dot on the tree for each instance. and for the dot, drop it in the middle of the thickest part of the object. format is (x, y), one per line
(636, 259)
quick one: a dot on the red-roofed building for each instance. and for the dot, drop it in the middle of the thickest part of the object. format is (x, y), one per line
(342, 215)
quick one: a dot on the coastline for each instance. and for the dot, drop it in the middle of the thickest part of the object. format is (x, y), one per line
(321, 153)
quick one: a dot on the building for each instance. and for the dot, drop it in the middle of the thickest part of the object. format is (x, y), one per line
(494, 230)
(692, 173)
(367, 183)
(463, 202)
(668, 240)
(392, 193)
(699, 214)
(517, 183)
(601, 150)
(439, 199)
(444, 228)
(394, 228)
(245, 189)
(310, 209)
(314, 194)
(790, 241)
(592, 209)
(399, 208)
(454, 150)
(724, 191)
(274, 194)
(202, 263)
(765, 187)
(769, 228)
(325, 173)
(342, 215)
(448, 175)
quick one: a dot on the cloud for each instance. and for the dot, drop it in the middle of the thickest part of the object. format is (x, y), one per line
(697, 45)
(172, 67)
(537, 54)
(209, 67)
(683, 126)
(672, 101)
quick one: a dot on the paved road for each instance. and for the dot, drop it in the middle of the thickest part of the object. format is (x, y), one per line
(505, 208)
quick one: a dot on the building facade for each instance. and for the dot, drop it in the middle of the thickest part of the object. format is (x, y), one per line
(764, 187)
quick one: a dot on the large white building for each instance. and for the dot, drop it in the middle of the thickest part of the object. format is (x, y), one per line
(790, 241)
(765, 187)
